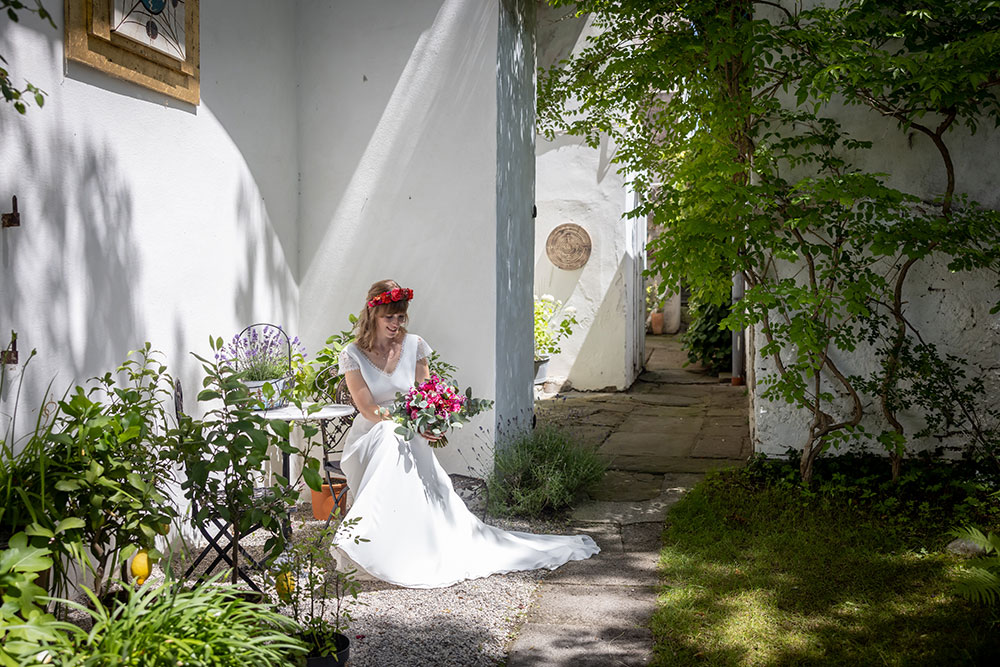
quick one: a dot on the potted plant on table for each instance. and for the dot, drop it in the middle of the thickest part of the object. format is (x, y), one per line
(264, 354)
(318, 595)
(553, 322)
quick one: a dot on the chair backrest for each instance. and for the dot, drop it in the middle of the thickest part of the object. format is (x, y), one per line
(178, 400)
(331, 388)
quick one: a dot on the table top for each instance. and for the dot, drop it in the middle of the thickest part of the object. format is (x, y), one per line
(292, 413)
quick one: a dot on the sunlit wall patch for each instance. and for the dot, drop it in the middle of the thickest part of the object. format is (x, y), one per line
(158, 24)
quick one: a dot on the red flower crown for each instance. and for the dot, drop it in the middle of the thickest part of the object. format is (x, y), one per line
(391, 295)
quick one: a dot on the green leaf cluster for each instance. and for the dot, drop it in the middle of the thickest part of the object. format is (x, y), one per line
(22, 97)
(724, 116)
(92, 477)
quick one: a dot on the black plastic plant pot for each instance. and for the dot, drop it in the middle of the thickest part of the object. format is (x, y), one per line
(343, 645)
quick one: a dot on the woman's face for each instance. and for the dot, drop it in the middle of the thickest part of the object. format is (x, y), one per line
(390, 325)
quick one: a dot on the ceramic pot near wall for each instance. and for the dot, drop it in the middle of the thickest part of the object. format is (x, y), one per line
(656, 321)
(256, 388)
(541, 370)
(322, 501)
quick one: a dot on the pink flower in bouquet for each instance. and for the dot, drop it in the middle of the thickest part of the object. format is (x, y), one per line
(433, 407)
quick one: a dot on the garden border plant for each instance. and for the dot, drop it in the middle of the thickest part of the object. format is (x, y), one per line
(694, 93)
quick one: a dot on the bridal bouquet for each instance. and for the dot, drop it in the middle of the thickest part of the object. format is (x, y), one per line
(433, 407)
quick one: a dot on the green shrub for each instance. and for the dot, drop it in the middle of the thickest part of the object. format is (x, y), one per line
(206, 626)
(705, 341)
(540, 473)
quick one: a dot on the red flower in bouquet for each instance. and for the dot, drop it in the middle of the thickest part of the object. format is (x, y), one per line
(433, 407)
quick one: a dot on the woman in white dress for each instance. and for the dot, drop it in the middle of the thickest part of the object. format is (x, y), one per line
(420, 533)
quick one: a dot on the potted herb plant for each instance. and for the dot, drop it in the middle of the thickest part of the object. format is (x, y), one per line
(264, 354)
(317, 594)
(553, 322)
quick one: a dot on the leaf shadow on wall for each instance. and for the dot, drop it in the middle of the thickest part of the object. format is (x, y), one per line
(68, 272)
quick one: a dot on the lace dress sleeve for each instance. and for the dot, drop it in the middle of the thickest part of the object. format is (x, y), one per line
(347, 362)
(423, 349)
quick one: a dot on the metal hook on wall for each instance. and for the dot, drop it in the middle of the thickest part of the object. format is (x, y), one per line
(12, 219)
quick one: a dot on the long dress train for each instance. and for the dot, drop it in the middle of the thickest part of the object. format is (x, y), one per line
(420, 533)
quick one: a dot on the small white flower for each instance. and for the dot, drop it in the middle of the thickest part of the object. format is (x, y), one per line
(570, 311)
(548, 298)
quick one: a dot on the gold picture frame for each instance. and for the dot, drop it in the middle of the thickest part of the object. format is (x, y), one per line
(92, 39)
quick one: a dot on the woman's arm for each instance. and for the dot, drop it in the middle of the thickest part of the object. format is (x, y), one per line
(423, 370)
(362, 397)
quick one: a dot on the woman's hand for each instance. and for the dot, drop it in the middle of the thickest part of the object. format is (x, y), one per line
(430, 437)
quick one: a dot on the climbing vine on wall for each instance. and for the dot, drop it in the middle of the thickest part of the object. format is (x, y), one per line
(727, 111)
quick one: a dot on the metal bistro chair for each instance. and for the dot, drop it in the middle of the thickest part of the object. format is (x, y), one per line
(216, 530)
(331, 388)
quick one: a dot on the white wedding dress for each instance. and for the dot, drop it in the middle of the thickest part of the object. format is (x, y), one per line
(421, 535)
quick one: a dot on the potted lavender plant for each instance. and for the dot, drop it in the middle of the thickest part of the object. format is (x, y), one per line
(263, 355)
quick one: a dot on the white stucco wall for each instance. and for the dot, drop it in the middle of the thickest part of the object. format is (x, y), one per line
(951, 310)
(579, 184)
(398, 148)
(144, 218)
(337, 143)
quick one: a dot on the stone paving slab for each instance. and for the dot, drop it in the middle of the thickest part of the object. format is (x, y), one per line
(642, 537)
(664, 426)
(623, 485)
(612, 569)
(655, 446)
(548, 645)
(677, 376)
(728, 446)
(593, 606)
(647, 463)
(607, 535)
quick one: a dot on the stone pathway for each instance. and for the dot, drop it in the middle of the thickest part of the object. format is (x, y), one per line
(659, 438)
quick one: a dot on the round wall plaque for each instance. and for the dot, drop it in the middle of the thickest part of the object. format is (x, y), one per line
(568, 246)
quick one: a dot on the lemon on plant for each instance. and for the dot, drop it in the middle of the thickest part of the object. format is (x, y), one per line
(141, 566)
(284, 585)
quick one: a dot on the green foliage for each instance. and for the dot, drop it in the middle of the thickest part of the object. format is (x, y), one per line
(223, 456)
(541, 472)
(708, 342)
(23, 620)
(20, 97)
(94, 475)
(207, 626)
(695, 92)
(980, 578)
(312, 381)
(552, 324)
(311, 585)
(931, 492)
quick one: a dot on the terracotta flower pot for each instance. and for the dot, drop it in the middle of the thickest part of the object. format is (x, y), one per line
(322, 501)
(656, 321)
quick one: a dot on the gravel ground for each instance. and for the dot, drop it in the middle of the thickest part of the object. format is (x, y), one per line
(470, 624)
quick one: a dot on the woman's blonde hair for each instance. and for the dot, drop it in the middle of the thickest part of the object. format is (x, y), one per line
(368, 319)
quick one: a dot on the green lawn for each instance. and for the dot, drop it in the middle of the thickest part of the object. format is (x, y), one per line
(758, 575)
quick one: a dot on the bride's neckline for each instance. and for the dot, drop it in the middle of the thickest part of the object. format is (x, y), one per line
(384, 371)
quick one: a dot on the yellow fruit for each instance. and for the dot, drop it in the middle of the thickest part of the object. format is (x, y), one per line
(284, 585)
(141, 566)
(164, 528)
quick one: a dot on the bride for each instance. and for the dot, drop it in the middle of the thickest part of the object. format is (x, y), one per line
(419, 532)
